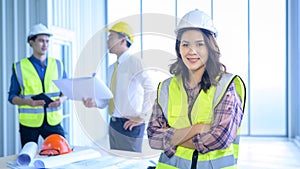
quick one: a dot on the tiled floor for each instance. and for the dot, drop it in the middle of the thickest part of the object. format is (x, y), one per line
(268, 153)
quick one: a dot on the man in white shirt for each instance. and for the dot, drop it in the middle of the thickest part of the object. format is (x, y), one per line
(131, 88)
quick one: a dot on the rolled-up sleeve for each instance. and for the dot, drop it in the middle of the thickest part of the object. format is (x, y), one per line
(227, 119)
(14, 89)
(159, 132)
(101, 103)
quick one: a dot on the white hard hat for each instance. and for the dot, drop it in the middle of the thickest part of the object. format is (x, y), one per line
(38, 29)
(197, 19)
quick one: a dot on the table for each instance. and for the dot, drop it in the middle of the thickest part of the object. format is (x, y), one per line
(4, 160)
(104, 162)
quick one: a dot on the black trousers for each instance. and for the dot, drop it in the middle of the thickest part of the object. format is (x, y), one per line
(32, 134)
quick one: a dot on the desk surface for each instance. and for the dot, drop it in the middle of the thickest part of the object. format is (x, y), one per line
(103, 162)
(4, 160)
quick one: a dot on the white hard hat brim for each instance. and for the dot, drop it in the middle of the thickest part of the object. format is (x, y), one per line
(196, 19)
(214, 33)
(31, 36)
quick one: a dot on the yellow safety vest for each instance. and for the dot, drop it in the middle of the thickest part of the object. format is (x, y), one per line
(31, 85)
(172, 98)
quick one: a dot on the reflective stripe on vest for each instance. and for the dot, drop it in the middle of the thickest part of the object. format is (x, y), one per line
(177, 162)
(31, 84)
(172, 97)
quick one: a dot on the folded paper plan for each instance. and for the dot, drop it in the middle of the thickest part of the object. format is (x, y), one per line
(84, 87)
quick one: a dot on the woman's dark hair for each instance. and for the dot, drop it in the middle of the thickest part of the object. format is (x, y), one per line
(213, 65)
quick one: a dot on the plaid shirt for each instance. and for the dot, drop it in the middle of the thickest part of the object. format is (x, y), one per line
(225, 123)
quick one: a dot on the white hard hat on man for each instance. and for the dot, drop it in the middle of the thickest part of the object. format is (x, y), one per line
(38, 29)
(197, 19)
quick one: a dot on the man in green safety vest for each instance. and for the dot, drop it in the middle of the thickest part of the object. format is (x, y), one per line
(32, 77)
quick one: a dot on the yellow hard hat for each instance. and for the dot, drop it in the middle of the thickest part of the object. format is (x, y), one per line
(123, 28)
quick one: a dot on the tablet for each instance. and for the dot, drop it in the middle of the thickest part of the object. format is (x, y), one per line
(42, 96)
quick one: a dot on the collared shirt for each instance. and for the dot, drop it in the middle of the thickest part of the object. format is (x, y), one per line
(15, 89)
(133, 93)
(225, 123)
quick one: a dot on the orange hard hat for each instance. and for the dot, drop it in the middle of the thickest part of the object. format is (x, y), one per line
(55, 144)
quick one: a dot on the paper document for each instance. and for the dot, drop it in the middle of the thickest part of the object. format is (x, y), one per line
(75, 156)
(85, 87)
(87, 158)
(27, 154)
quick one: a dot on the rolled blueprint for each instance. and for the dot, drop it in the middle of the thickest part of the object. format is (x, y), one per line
(27, 153)
(60, 160)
